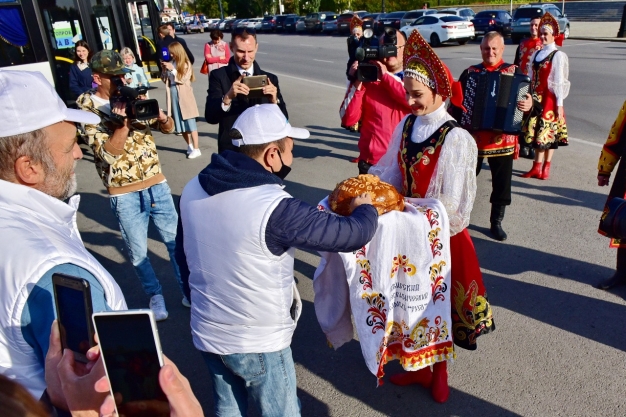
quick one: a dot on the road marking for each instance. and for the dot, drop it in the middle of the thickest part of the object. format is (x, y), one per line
(304, 44)
(262, 53)
(587, 43)
(312, 81)
(585, 142)
(321, 60)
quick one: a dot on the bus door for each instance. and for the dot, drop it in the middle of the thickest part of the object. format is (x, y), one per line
(143, 15)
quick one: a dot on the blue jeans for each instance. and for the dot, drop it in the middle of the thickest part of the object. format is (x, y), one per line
(133, 212)
(269, 378)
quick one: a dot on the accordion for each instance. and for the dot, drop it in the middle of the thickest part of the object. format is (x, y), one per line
(491, 101)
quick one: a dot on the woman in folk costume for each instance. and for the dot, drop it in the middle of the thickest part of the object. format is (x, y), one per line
(430, 156)
(613, 152)
(548, 70)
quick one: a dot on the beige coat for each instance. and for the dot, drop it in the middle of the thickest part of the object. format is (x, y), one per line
(186, 99)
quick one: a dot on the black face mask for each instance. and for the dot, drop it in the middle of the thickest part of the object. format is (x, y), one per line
(284, 169)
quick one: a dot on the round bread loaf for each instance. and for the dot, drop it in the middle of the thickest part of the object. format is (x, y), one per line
(384, 196)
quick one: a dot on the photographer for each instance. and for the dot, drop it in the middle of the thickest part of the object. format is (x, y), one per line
(354, 41)
(379, 105)
(128, 164)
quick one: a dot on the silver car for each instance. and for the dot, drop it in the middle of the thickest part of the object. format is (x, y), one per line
(409, 17)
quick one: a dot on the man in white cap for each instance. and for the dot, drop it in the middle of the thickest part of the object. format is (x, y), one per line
(237, 235)
(38, 154)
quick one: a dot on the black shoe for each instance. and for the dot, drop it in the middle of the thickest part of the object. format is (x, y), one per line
(497, 215)
(618, 278)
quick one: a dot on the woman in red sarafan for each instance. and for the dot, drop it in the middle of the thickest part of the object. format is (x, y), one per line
(431, 156)
(548, 70)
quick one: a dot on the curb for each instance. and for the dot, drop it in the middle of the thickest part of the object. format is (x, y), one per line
(588, 38)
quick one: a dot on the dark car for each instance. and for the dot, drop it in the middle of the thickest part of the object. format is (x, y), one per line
(372, 21)
(228, 25)
(314, 21)
(290, 23)
(269, 23)
(492, 20)
(520, 27)
(393, 20)
(343, 21)
(180, 27)
(280, 21)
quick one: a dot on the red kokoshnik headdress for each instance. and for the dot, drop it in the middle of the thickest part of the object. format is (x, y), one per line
(356, 22)
(422, 63)
(549, 22)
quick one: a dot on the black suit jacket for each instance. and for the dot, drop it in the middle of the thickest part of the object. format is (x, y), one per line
(220, 81)
(166, 41)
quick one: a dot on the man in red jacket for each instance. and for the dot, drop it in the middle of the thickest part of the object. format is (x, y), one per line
(378, 105)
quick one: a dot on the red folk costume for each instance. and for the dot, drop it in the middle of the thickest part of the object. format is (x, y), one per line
(430, 156)
(525, 50)
(613, 151)
(548, 70)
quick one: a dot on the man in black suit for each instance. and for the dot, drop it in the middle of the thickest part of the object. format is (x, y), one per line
(165, 39)
(228, 96)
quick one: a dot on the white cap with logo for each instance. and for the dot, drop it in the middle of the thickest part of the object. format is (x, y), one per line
(265, 123)
(28, 102)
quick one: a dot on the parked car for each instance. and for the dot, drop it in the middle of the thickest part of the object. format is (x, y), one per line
(409, 17)
(329, 25)
(228, 25)
(314, 21)
(464, 12)
(280, 21)
(180, 27)
(343, 21)
(269, 23)
(523, 15)
(441, 28)
(300, 25)
(393, 20)
(492, 20)
(255, 23)
(195, 26)
(290, 23)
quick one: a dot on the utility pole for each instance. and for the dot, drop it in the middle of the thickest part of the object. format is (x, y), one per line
(221, 9)
(383, 7)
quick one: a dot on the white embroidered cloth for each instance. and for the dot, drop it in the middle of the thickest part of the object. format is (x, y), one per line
(397, 287)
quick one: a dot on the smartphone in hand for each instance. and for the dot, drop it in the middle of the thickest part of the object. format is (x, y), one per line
(256, 84)
(132, 357)
(72, 298)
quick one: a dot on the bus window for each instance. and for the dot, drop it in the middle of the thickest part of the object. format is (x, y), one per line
(15, 47)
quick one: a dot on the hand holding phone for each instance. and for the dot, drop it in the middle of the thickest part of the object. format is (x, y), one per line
(132, 357)
(256, 84)
(72, 296)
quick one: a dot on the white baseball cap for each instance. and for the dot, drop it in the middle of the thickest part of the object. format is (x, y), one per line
(265, 123)
(28, 102)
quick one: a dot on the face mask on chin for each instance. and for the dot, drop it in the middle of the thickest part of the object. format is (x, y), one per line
(284, 169)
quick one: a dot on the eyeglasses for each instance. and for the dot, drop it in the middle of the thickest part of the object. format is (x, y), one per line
(241, 30)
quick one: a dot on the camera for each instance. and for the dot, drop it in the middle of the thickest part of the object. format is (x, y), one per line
(371, 48)
(136, 109)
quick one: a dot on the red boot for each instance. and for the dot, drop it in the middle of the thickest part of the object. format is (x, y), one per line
(535, 172)
(440, 390)
(545, 174)
(424, 377)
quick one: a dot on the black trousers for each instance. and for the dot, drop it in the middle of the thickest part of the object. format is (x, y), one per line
(501, 172)
(621, 259)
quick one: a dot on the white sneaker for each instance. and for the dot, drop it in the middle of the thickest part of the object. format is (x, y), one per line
(186, 302)
(194, 154)
(157, 305)
(189, 150)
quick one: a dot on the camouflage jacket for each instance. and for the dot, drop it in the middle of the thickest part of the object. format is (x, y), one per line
(134, 168)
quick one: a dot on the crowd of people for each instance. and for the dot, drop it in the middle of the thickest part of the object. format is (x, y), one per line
(409, 137)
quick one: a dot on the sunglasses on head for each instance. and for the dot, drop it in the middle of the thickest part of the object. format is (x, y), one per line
(241, 30)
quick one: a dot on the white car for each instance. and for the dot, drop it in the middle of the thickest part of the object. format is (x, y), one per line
(440, 28)
(255, 23)
(464, 12)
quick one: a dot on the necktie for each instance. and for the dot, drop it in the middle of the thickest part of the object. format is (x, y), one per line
(246, 74)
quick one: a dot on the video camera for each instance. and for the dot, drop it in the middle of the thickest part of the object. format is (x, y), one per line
(370, 48)
(136, 109)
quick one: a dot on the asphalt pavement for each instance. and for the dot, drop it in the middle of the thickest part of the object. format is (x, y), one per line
(560, 344)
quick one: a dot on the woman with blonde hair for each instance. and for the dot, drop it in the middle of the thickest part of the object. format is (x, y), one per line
(181, 103)
(137, 77)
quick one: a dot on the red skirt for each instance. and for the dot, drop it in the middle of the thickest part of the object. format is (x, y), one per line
(471, 311)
